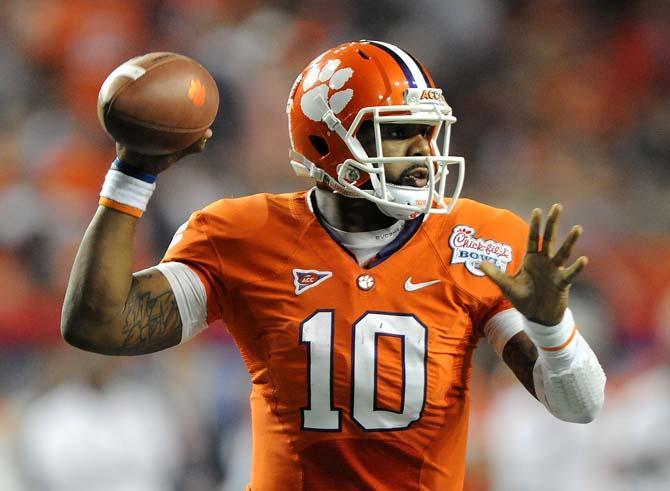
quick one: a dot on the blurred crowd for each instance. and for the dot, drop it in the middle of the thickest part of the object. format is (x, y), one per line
(557, 100)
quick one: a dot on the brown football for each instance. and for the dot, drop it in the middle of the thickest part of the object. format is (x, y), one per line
(158, 103)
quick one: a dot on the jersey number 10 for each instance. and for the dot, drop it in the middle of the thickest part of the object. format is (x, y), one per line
(317, 332)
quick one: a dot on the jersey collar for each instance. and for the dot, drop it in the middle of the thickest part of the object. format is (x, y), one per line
(407, 232)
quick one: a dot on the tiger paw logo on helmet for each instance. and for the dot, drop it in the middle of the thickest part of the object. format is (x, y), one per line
(329, 78)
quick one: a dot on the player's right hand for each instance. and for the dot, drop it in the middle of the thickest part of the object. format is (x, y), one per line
(155, 164)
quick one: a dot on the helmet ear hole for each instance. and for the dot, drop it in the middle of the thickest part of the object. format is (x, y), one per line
(320, 144)
(363, 54)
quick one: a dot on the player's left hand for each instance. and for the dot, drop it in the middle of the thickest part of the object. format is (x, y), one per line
(540, 289)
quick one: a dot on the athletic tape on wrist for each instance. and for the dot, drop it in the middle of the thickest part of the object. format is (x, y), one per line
(552, 338)
(126, 189)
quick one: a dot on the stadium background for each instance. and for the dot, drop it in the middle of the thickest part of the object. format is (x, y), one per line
(557, 101)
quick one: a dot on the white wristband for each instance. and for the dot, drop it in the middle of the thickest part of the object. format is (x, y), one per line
(552, 338)
(126, 193)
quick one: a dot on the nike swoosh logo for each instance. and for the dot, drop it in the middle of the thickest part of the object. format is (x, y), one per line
(411, 287)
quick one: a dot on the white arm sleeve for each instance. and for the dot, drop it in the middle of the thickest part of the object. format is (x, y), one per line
(502, 327)
(568, 378)
(191, 297)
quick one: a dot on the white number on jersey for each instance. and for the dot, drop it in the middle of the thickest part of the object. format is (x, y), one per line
(318, 331)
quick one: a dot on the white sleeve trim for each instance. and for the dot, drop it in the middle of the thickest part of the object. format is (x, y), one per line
(191, 297)
(502, 327)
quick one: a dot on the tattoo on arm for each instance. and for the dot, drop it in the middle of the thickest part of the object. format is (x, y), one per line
(151, 321)
(520, 355)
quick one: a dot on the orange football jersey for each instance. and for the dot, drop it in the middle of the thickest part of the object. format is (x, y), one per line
(360, 374)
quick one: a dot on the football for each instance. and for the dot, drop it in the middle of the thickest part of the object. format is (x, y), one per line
(158, 103)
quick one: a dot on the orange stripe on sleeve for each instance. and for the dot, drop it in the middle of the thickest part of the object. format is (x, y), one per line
(564, 344)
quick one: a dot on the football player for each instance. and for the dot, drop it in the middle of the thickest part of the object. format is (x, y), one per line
(357, 304)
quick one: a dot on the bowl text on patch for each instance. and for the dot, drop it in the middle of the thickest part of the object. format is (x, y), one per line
(470, 250)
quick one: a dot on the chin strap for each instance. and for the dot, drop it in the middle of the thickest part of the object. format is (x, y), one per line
(306, 168)
(406, 196)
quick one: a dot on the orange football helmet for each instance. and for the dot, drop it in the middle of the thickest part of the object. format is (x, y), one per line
(376, 81)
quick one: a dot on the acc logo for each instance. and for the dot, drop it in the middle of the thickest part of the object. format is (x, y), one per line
(330, 78)
(432, 95)
(304, 279)
(417, 96)
(470, 250)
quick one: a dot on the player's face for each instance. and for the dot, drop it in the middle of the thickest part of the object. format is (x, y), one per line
(400, 140)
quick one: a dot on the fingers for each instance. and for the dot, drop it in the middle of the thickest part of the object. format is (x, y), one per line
(571, 272)
(504, 282)
(534, 233)
(566, 248)
(550, 229)
(198, 146)
(129, 156)
(549, 236)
